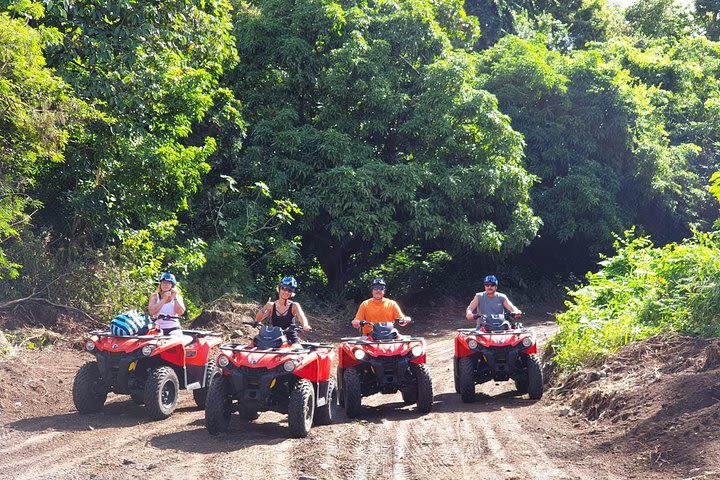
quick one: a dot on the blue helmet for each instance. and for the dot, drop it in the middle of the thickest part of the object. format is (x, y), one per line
(377, 283)
(168, 277)
(288, 282)
(491, 279)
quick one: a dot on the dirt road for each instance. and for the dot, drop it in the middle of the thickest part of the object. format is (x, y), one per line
(501, 435)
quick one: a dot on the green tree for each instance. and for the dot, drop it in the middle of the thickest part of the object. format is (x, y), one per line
(153, 69)
(708, 15)
(659, 18)
(38, 113)
(371, 121)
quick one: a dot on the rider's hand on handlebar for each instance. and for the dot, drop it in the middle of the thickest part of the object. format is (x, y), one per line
(306, 328)
(356, 323)
(405, 321)
(470, 316)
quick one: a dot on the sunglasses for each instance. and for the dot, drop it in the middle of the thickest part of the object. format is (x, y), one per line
(490, 285)
(378, 288)
(286, 289)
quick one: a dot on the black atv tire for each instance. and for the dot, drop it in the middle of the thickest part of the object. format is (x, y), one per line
(162, 390)
(325, 415)
(301, 409)
(200, 394)
(456, 374)
(340, 391)
(535, 378)
(89, 392)
(521, 384)
(466, 370)
(424, 388)
(409, 395)
(138, 396)
(218, 406)
(353, 392)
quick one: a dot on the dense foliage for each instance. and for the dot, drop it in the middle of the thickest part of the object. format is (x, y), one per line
(640, 291)
(236, 141)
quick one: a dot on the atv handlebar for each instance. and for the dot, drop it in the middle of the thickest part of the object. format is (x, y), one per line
(293, 326)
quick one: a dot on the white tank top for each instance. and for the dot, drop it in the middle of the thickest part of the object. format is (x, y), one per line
(168, 309)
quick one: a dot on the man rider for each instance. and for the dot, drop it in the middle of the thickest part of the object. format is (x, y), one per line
(490, 302)
(378, 309)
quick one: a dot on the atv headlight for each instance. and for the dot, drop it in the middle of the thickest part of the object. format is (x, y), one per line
(147, 350)
(289, 366)
(417, 350)
(472, 344)
(359, 354)
(527, 341)
(223, 361)
(89, 345)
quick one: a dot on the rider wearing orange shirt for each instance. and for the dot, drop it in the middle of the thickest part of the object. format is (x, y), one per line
(378, 309)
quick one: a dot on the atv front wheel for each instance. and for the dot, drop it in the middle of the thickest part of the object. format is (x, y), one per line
(89, 392)
(467, 379)
(409, 395)
(301, 408)
(218, 406)
(161, 393)
(325, 415)
(535, 378)
(200, 394)
(424, 388)
(353, 392)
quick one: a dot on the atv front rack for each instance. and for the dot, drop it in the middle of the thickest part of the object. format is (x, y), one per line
(245, 347)
(473, 331)
(359, 340)
(192, 333)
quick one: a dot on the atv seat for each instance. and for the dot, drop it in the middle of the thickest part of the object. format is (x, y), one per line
(269, 337)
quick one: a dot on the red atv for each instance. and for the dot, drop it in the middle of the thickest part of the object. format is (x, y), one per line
(150, 368)
(268, 374)
(502, 352)
(383, 362)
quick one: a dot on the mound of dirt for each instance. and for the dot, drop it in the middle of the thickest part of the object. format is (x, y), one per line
(39, 313)
(656, 400)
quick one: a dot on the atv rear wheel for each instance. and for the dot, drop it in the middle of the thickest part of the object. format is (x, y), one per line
(466, 375)
(301, 408)
(89, 392)
(200, 394)
(325, 415)
(353, 392)
(424, 388)
(535, 378)
(218, 406)
(161, 393)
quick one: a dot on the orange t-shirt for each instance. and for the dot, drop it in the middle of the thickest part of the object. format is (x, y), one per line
(378, 311)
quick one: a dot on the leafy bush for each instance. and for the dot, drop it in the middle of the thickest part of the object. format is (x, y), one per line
(639, 292)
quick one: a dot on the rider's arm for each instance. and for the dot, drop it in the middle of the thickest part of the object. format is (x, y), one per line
(265, 311)
(359, 316)
(154, 305)
(470, 310)
(510, 307)
(178, 305)
(299, 314)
